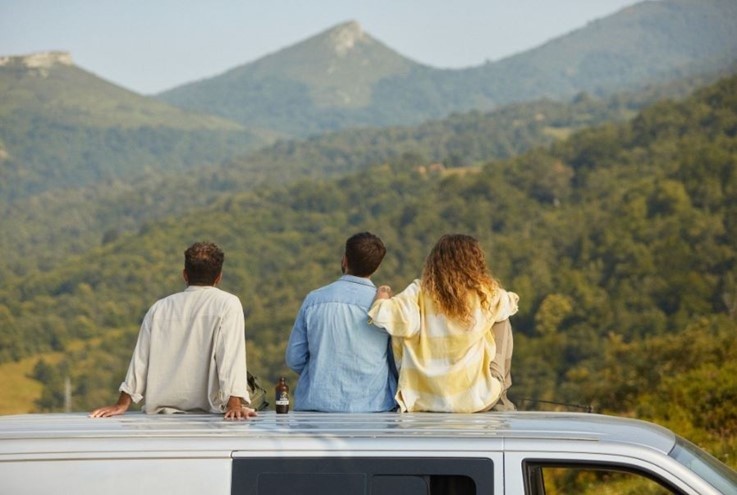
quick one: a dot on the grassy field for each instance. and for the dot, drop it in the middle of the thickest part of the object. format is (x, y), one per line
(21, 391)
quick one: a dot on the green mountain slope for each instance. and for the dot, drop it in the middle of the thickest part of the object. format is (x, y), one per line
(344, 78)
(62, 126)
(620, 233)
(74, 220)
(312, 86)
(621, 242)
(645, 43)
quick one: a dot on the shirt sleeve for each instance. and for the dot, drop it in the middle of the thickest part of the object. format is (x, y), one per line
(230, 353)
(504, 305)
(398, 315)
(298, 353)
(135, 380)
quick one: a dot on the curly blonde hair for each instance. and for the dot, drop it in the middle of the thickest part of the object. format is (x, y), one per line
(453, 271)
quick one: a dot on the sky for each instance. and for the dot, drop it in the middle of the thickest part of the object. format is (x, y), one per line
(149, 46)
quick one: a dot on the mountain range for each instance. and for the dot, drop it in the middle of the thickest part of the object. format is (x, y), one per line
(61, 126)
(343, 77)
(611, 214)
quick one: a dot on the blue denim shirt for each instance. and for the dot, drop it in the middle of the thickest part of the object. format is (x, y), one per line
(342, 361)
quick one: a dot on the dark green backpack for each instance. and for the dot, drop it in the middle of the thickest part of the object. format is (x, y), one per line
(257, 393)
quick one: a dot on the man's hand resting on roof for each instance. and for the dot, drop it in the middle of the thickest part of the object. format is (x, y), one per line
(236, 410)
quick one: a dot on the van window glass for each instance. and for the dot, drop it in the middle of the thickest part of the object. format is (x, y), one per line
(705, 465)
(592, 479)
(363, 475)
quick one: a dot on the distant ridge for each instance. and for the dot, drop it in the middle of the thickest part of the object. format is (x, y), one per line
(343, 77)
(38, 60)
(63, 126)
(308, 85)
(650, 42)
(50, 83)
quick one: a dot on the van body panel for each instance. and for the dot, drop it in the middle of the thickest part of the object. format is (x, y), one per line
(381, 452)
(119, 475)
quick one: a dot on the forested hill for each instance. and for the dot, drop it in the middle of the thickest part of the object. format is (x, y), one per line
(76, 219)
(621, 242)
(344, 78)
(61, 126)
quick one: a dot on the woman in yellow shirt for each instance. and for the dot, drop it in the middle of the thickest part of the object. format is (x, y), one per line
(443, 327)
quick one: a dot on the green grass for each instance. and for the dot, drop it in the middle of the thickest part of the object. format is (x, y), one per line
(19, 390)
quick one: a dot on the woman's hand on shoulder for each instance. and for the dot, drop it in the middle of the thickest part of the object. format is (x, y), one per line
(383, 292)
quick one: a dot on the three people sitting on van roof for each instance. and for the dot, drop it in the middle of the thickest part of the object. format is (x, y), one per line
(191, 349)
(450, 337)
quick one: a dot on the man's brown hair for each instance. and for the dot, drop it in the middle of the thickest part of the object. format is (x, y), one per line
(203, 262)
(363, 254)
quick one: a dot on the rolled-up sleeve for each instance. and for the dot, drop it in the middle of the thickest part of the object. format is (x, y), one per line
(398, 315)
(135, 379)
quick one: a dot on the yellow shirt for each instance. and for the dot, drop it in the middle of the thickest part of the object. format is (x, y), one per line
(443, 364)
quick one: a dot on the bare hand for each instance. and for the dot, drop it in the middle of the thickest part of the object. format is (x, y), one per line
(109, 411)
(236, 409)
(383, 292)
(240, 413)
(124, 401)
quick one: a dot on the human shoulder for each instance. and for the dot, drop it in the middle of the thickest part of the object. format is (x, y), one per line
(228, 297)
(335, 287)
(316, 293)
(163, 301)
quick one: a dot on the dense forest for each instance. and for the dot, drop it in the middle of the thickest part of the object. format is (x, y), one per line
(621, 241)
(75, 219)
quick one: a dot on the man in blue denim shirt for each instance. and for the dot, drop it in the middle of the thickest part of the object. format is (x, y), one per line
(344, 364)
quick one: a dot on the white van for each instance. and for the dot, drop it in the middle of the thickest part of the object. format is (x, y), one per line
(312, 453)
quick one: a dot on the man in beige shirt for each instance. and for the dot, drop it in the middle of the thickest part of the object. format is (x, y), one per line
(191, 349)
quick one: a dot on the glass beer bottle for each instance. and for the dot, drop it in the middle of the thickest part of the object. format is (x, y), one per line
(282, 396)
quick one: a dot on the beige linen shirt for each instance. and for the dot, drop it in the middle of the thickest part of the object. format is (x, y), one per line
(444, 365)
(190, 354)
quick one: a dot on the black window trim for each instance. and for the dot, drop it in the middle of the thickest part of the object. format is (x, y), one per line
(530, 464)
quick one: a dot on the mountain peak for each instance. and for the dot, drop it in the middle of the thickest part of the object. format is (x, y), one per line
(39, 60)
(345, 36)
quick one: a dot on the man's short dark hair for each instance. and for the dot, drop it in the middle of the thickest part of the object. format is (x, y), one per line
(364, 253)
(203, 262)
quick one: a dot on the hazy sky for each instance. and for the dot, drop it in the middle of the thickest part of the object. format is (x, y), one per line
(152, 45)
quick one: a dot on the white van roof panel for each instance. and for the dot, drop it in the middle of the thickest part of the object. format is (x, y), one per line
(35, 433)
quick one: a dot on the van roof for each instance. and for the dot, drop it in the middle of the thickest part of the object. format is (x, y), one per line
(33, 433)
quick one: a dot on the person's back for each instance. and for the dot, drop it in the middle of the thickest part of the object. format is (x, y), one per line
(446, 364)
(179, 328)
(344, 363)
(444, 329)
(191, 348)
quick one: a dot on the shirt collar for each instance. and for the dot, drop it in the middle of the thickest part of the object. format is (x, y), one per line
(357, 280)
(198, 287)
